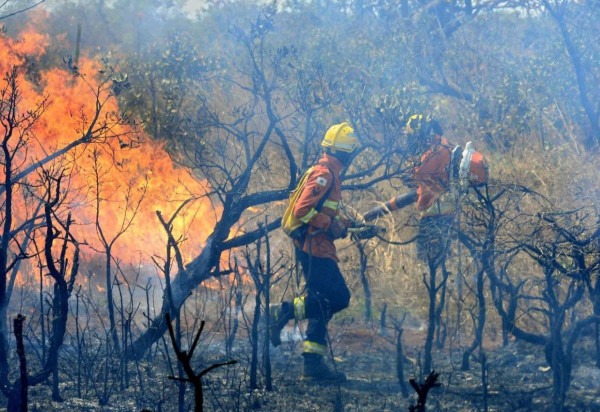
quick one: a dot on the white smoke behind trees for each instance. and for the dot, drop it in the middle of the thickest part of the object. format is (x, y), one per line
(241, 97)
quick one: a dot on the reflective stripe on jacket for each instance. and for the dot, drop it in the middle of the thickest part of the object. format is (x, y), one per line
(324, 174)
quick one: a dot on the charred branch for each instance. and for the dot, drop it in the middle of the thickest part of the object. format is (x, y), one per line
(20, 10)
(422, 390)
(19, 396)
(250, 237)
(185, 358)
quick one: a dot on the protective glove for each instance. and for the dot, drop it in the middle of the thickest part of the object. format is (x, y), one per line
(337, 229)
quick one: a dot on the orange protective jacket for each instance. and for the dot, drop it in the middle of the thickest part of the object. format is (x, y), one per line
(325, 175)
(433, 174)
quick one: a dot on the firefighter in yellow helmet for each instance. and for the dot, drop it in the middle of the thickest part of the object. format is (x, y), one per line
(326, 291)
(437, 177)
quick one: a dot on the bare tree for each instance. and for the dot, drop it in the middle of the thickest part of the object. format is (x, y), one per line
(568, 256)
(31, 184)
(132, 198)
(16, 130)
(552, 293)
(173, 249)
(63, 274)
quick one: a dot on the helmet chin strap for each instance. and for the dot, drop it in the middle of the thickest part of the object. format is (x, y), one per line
(343, 157)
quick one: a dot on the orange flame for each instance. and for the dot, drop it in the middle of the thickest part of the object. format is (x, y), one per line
(144, 173)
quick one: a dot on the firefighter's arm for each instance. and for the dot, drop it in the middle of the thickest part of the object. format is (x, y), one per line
(317, 186)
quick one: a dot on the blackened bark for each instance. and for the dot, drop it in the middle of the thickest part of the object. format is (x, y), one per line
(17, 401)
(423, 390)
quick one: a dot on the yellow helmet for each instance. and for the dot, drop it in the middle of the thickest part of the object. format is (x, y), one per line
(414, 124)
(419, 125)
(340, 137)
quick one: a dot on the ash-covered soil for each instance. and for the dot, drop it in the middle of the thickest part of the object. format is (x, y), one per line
(517, 376)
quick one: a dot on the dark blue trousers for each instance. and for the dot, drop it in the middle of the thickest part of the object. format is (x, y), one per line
(326, 294)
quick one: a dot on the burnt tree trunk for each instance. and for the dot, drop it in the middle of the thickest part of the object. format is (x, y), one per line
(17, 400)
(432, 289)
(480, 321)
(440, 326)
(364, 280)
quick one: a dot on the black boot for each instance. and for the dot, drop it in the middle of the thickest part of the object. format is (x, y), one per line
(316, 371)
(280, 314)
